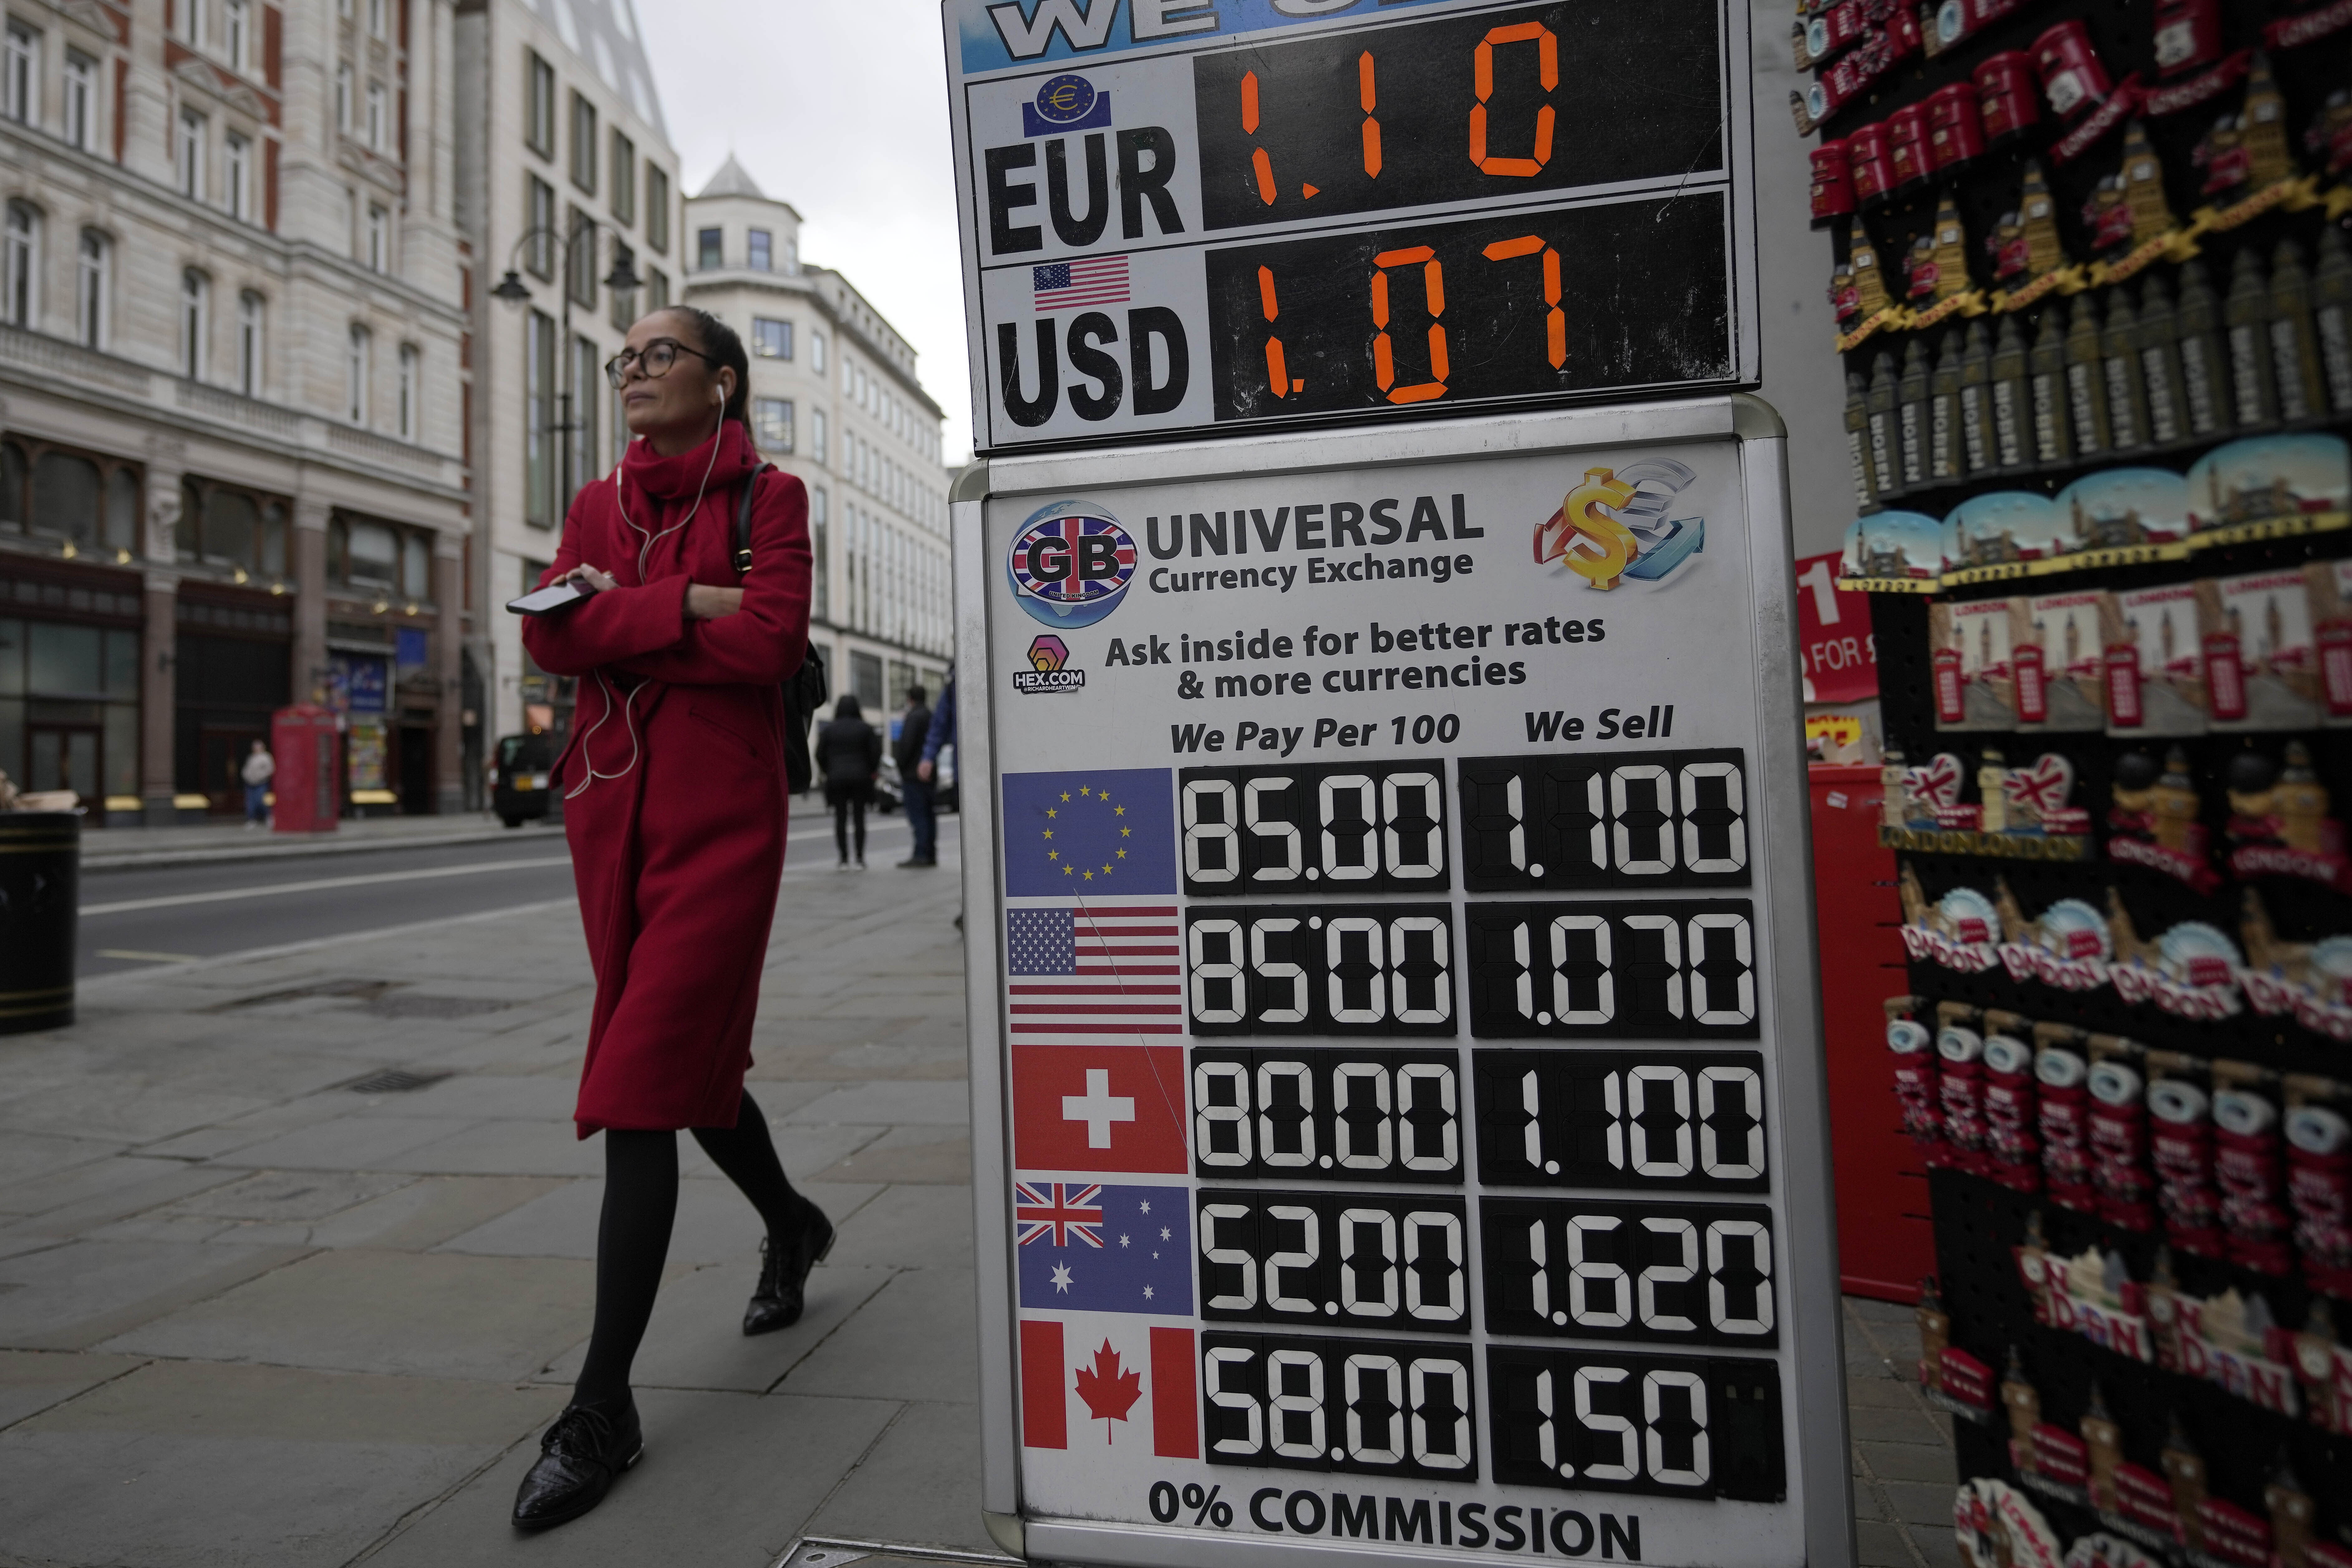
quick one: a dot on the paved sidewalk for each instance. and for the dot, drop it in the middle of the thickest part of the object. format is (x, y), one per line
(111, 848)
(250, 1315)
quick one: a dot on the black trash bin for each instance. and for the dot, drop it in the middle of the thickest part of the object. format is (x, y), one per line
(40, 899)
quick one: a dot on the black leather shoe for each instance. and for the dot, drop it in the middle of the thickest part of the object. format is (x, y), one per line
(783, 1274)
(916, 862)
(581, 1457)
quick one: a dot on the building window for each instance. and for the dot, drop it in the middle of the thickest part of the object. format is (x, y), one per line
(624, 180)
(625, 301)
(81, 101)
(539, 221)
(408, 364)
(236, 32)
(772, 339)
(379, 118)
(710, 250)
(580, 411)
(771, 424)
(193, 10)
(89, 289)
(656, 293)
(820, 576)
(539, 105)
(538, 419)
(760, 253)
(196, 322)
(416, 566)
(355, 376)
(252, 317)
(22, 265)
(379, 239)
(817, 352)
(231, 527)
(580, 281)
(817, 434)
(583, 144)
(657, 210)
(20, 75)
(191, 153)
(343, 98)
(377, 12)
(237, 165)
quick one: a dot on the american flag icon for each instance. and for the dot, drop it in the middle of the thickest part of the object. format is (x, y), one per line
(1100, 971)
(1074, 285)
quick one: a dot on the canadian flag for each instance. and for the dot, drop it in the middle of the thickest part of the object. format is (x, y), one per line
(1109, 1379)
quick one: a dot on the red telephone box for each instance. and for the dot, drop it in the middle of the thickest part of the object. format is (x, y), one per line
(309, 769)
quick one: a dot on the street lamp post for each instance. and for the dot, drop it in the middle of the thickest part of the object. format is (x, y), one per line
(513, 291)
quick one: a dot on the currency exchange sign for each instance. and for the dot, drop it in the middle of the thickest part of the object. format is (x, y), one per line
(1188, 216)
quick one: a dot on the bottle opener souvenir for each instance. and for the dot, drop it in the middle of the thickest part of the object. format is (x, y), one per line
(2319, 1180)
(2118, 1135)
(1916, 1077)
(2255, 1222)
(2063, 1116)
(2012, 1146)
(1959, 1050)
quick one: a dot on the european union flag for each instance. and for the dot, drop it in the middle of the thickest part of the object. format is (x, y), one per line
(1105, 1248)
(1089, 834)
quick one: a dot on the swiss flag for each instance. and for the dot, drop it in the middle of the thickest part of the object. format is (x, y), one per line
(1098, 1379)
(1099, 1107)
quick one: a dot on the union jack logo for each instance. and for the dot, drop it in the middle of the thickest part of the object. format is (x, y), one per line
(1072, 560)
(1071, 1215)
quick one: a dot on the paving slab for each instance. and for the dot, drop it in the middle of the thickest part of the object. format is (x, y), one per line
(920, 1101)
(361, 1310)
(72, 1296)
(429, 1211)
(689, 1345)
(737, 1476)
(921, 1486)
(915, 1340)
(912, 1226)
(32, 1381)
(347, 1143)
(924, 1154)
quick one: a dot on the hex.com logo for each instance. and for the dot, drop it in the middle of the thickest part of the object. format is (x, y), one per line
(1070, 564)
(1049, 659)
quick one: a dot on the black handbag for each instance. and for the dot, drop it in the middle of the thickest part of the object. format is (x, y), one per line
(805, 690)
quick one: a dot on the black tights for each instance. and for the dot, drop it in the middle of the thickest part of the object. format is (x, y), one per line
(632, 1238)
(843, 812)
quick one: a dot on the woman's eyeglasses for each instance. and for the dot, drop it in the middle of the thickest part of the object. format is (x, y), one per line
(659, 355)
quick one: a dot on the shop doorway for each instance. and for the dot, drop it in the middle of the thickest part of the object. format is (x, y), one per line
(65, 756)
(223, 751)
(416, 770)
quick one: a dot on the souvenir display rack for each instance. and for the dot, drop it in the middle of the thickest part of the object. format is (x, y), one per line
(2095, 285)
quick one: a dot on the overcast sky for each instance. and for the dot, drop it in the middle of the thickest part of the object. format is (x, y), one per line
(838, 107)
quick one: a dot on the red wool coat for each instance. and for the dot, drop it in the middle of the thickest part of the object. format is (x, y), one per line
(673, 781)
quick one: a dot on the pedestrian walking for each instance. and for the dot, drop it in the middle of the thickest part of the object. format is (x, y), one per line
(674, 811)
(259, 768)
(849, 749)
(914, 731)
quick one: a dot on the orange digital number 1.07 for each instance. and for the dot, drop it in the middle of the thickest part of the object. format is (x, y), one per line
(1432, 276)
(1555, 319)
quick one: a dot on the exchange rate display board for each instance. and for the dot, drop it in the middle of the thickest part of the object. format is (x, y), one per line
(1392, 969)
(1188, 216)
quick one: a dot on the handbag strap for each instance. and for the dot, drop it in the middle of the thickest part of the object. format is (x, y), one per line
(743, 519)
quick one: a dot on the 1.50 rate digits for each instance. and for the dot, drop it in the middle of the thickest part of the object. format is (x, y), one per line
(1368, 827)
(1691, 1120)
(1657, 969)
(1329, 969)
(1334, 1115)
(1604, 1420)
(1376, 1406)
(1361, 1260)
(1606, 819)
(1580, 1268)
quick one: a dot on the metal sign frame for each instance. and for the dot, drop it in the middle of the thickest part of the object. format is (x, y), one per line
(1183, 32)
(1814, 1420)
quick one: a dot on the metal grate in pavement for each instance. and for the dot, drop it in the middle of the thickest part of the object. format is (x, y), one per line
(823, 1552)
(394, 1080)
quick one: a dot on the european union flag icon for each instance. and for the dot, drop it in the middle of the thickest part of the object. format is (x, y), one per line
(1089, 834)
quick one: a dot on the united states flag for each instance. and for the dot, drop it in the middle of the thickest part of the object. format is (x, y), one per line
(1094, 970)
(1075, 285)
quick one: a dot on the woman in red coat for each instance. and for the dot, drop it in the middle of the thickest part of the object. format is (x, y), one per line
(675, 803)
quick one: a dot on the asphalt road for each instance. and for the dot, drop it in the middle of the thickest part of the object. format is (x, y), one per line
(137, 919)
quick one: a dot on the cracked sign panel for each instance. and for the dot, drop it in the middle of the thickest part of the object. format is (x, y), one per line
(1183, 216)
(1399, 950)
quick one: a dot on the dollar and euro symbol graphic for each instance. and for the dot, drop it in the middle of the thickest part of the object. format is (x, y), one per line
(1614, 525)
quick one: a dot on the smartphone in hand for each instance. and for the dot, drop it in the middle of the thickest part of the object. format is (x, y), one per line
(554, 596)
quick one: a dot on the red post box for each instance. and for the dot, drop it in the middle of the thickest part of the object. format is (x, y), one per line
(309, 769)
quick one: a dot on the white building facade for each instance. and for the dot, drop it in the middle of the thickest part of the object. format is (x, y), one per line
(232, 371)
(565, 173)
(835, 400)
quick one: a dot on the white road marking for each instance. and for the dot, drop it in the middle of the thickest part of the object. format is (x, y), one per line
(146, 957)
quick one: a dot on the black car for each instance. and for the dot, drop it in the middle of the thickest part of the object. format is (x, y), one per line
(520, 794)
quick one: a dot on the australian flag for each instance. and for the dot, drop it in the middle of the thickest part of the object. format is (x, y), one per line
(1097, 1247)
